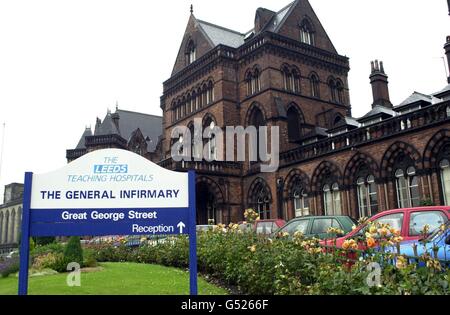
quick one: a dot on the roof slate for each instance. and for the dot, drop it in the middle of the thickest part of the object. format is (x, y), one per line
(81, 144)
(377, 110)
(128, 122)
(222, 36)
(150, 126)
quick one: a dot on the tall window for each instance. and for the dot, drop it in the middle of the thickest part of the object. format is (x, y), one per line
(291, 80)
(253, 82)
(445, 180)
(306, 33)
(332, 89)
(256, 120)
(190, 53)
(340, 92)
(256, 84)
(407, 184)
(367, 196)
(301, 203)
(295, 82)
(314, 86)
(332, 199)
(210, 93)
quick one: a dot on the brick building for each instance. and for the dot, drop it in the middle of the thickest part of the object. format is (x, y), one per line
(286, 72)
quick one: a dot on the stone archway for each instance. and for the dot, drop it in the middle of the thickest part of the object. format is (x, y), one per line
(209, 198)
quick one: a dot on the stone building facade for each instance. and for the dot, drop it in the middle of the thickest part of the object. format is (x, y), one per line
(11, 217)
(286, 72)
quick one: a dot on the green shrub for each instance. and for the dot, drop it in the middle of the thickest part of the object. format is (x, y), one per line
(89, 258)
(56, 248)
(54, 261)
(260, 266)
(73, 251)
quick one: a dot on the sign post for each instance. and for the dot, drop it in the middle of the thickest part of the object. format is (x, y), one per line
(109, 192)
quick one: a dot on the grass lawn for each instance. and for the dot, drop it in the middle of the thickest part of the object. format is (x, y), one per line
(115, 278)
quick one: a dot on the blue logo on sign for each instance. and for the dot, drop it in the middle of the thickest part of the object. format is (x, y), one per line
(111, 169)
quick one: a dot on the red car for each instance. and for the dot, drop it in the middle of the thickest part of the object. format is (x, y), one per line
(410, 222)
(265, 227)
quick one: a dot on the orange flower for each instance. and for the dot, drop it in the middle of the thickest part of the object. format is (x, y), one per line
(371, 242)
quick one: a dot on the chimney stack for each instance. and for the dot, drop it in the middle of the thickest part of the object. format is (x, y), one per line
(379, 82)
(447, 52)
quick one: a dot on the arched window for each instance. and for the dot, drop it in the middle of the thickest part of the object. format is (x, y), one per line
(263, 203)
(286, 78)
(195, 101)
(332, 199)
(332, 89)
(204, 95)
(407, 185)
(6, 225)
(314, 80)
(190, 52)
(256, 120)
(189, 103)
(306, 33)
(248, 81)
(210, 94)
(256, 84)
(340, 92)
(293, 119)
(367, 196)
(295, 81)
(1, 227)
(12, 229)
(301, 202)
(444, 166)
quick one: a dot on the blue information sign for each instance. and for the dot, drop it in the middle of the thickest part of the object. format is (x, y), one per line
(109, 192)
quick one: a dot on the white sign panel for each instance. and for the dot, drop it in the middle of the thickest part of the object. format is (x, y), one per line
(110, 178)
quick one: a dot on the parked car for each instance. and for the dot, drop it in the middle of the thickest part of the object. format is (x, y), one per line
(134, 241)
(439, 240)
(317, 226)
(264, 227)
(409, 221)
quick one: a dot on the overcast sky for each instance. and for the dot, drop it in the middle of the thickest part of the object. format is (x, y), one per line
(63, 63)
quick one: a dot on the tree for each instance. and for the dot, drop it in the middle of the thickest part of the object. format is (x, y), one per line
(73, 251)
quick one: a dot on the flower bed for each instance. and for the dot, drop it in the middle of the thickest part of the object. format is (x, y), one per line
(258, 265)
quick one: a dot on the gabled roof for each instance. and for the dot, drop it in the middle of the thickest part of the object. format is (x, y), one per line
(377, 111)
(280, 17)
(415, 98)
(127, 123)
(219, 35)
(81, 144)
(347, 122)
(150, 126)
(107, 127)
